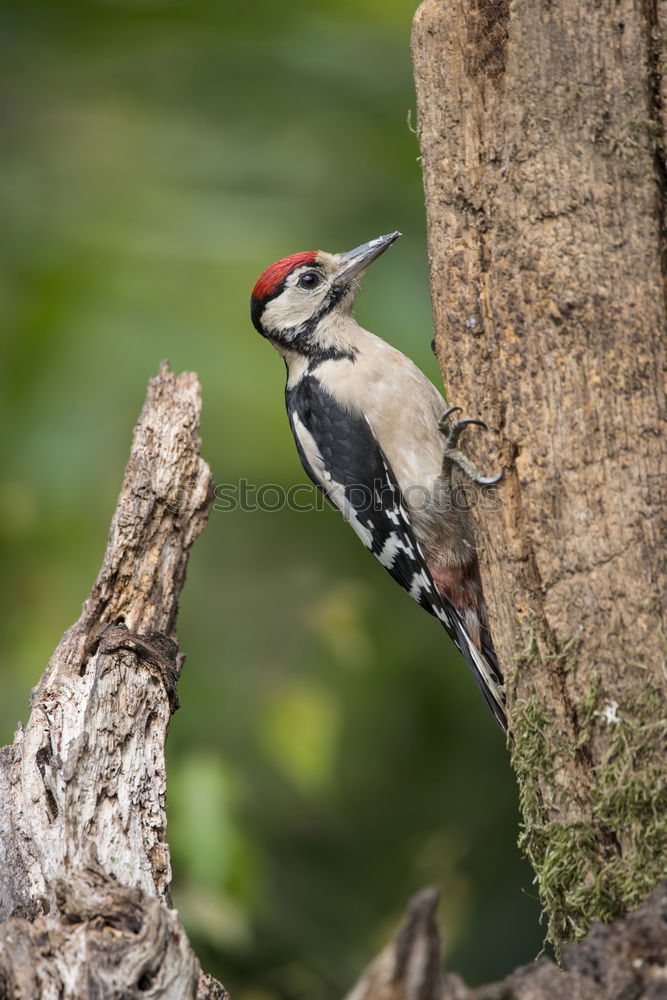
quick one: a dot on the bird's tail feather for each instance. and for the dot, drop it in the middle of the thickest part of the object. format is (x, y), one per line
(484, 666)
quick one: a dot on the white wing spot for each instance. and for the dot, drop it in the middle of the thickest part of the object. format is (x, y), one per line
(420, 581)
(337, 494)
(389, 549)
(335, 491)
(394, 544)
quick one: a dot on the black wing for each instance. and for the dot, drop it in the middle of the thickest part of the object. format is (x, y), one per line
(342, 457)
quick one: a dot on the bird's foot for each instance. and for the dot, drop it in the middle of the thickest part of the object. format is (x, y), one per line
(453, 456)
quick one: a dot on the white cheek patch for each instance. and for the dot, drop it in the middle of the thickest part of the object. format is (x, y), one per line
(293, 307)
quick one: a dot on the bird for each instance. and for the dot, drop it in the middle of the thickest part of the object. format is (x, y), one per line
(378, 439)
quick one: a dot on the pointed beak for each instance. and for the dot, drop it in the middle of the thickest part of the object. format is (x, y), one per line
(354, 262)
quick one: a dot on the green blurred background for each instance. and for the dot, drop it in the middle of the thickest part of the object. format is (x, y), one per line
(331, 755)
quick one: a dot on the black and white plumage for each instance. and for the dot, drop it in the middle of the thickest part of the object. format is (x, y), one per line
(342, 457)
(366, 423)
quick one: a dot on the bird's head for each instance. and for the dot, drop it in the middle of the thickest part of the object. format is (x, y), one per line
(294, 299)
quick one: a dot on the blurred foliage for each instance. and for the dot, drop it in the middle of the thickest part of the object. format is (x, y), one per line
(332, 754)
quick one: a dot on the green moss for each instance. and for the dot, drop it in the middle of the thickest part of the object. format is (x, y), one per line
(535, 762)
(566, 657)
(630, 798)
(586, 712)
(599, 869)
(524, 662)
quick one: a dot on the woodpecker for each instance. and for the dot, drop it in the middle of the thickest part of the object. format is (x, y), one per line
(377, 438)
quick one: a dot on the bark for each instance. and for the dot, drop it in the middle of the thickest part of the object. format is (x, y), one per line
(625, 961)
(541, 127)
(84, 864)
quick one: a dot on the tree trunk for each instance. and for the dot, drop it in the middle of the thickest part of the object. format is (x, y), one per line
(541, 129)
(84, 865)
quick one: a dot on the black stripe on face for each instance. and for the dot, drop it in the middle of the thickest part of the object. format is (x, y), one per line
(301, 338)
(333, 299)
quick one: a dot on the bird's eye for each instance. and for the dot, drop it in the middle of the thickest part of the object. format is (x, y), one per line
(309, 280)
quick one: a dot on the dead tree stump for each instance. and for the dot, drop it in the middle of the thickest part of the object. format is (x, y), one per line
(84, 864)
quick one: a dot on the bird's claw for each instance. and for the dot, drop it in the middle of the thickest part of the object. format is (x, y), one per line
(443, 423)
(453, 456)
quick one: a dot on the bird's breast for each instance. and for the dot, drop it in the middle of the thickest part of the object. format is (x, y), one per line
(402, 406)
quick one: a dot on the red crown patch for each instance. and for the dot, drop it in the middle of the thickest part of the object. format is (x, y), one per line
(276, 274)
